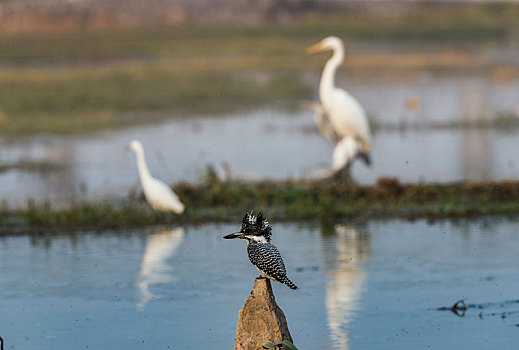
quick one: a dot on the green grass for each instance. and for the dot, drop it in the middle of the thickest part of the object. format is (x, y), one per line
(90, 80)
(213, 201)
(85, 101)
(203, 72)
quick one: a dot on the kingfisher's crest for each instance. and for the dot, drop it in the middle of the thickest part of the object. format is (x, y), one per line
(256, 225)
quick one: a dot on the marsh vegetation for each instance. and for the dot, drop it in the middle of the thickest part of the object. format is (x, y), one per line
(83, 81)
(288, 200)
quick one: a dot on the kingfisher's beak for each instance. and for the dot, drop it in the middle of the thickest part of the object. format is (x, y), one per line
(315, 48)
(234, 235)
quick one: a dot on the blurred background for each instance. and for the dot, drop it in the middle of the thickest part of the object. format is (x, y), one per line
(207, 82)
(193, 79)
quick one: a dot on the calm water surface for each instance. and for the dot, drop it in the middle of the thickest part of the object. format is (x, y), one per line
(370, 286)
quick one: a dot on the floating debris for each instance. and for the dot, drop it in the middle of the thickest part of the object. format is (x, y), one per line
(458, 308)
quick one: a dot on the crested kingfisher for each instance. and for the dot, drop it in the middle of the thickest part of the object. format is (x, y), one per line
(256, 230)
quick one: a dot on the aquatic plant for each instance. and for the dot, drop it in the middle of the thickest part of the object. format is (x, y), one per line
(286, 343)
(289, 200)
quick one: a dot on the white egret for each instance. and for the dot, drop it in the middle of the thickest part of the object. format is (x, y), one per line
(345, 114)
(346, 148)
(157, 193)
(322, 121)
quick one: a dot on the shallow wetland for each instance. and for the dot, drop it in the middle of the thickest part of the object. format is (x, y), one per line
(379, 261)
(363, 285)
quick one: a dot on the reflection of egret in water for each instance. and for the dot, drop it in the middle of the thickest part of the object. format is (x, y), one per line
(154, 268)
(347, 250)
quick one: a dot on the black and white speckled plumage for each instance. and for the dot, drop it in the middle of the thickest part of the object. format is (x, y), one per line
(264, 255)
(268, 261)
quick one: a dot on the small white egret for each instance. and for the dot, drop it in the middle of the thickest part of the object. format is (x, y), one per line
(345, 114)
(158, 194)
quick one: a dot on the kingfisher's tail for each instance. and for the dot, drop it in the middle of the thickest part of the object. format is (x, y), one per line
(288, 282)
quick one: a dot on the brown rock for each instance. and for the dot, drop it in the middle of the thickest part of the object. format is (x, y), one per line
(260, 320)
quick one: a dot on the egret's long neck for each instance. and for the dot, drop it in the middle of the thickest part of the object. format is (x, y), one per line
(144, 173)
(328, 78)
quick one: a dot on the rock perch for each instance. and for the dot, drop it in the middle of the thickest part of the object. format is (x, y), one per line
(260, 320)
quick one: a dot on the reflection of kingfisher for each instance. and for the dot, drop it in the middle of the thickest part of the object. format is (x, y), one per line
(264, 255)
(154, 268)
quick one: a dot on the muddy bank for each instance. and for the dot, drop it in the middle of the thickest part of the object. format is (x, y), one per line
(213, 201)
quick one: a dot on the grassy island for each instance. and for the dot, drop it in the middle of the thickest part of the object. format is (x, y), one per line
(290, 200)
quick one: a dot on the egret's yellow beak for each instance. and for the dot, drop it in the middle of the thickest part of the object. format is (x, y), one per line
(315, 48)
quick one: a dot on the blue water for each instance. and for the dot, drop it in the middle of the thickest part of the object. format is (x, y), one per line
(362, 286)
